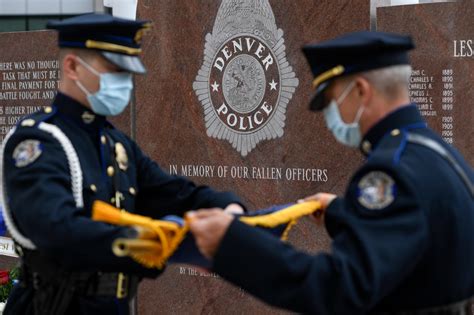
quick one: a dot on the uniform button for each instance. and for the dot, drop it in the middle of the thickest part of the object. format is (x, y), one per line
(48, 109)
(132, 191)
(395, 132)
(94, 188)
(103, 139)
(110, 171)
(28, 123)
(366, 146)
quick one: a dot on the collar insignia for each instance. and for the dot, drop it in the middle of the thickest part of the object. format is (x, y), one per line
(88, 117)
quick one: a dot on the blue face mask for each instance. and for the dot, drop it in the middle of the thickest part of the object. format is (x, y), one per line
(348, 134)
(114, 93)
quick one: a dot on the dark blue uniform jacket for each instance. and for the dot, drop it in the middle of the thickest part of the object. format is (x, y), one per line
(39, 195)
(402, 235)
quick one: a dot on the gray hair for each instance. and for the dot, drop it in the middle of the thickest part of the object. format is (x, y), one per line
(391, 81)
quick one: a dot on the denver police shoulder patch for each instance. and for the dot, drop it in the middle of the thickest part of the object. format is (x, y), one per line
(26, 152)
(376, 190)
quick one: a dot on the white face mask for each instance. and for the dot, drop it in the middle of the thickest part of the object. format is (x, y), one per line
(114, 93)
(348, 134)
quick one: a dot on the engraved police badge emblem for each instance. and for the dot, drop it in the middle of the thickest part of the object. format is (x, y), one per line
(376, 190)
(245, 82)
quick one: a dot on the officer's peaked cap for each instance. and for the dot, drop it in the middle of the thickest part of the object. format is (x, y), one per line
(353, 53)
(117, 39)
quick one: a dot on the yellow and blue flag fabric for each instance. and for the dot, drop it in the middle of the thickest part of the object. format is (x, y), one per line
(167, 240)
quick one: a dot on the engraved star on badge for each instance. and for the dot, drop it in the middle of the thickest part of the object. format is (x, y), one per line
(273, 85)
(215, 87)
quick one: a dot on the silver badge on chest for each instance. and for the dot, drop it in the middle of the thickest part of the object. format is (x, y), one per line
(121, 156)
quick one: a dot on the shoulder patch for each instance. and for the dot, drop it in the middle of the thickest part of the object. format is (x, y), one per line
(376, 190)
(26, 152)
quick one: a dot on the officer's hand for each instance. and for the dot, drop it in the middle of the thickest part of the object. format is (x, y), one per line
(325, 199)
(209, 227)
(234, 208)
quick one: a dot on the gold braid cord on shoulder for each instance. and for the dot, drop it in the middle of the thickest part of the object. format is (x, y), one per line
(157, 240)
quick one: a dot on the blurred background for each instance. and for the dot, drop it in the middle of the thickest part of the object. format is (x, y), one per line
(31, 15)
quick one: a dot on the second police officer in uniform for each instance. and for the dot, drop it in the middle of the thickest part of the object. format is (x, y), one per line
(402, 234)
(58, 161)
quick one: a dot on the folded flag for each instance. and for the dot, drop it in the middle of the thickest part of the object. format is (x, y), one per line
(168, 240)
(156, 240)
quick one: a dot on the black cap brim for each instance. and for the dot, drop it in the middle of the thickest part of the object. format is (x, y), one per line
(319, 101)
(127, 63)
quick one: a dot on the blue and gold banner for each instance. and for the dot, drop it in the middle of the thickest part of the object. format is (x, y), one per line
(167, 240)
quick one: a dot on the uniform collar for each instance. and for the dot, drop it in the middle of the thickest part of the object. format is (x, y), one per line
(75, 111)
(406, 117)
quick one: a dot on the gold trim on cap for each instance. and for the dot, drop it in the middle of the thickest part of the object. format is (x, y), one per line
(334, 72)
(112, 47)
(139, 35)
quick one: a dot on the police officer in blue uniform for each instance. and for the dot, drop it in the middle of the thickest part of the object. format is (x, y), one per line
(57, 162)
(402, 240)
